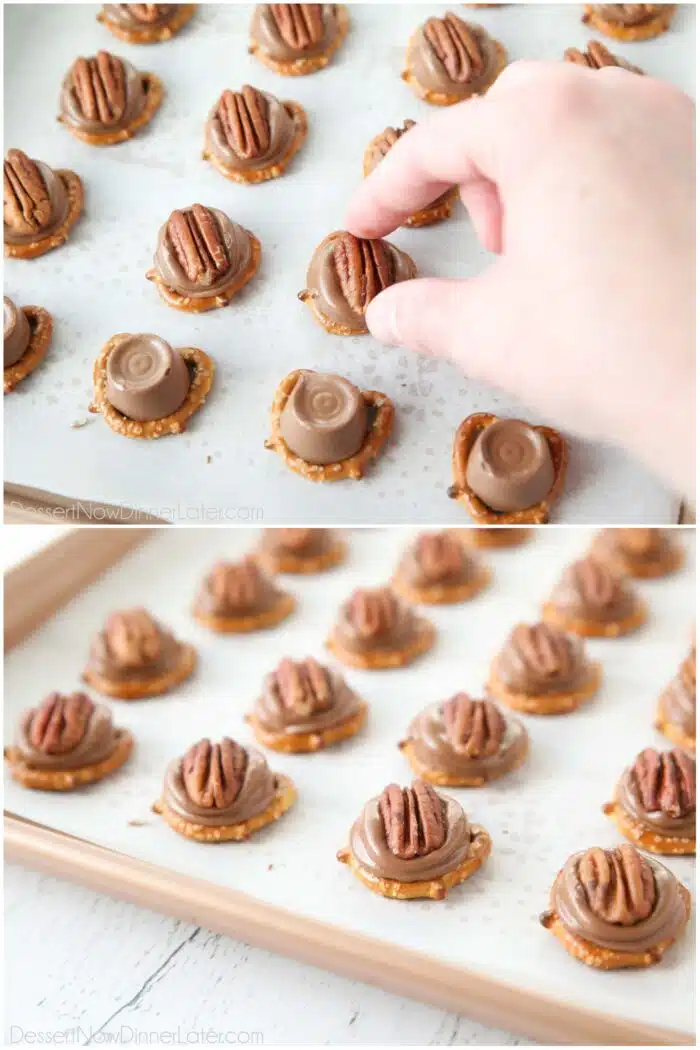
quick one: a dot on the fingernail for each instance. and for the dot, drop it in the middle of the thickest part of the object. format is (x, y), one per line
(381, 320)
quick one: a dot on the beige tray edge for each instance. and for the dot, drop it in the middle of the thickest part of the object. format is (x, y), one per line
(319, 944)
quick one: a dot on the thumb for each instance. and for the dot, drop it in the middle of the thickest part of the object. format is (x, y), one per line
(467, 321)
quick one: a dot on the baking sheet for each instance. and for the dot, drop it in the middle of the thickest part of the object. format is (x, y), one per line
(536, 816)
(95, 286)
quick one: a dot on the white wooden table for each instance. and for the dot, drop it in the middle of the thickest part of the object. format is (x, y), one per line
(111, 972)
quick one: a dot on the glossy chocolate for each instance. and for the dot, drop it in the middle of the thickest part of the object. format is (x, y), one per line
(449, 56)
(467, 739)
(102, 93)
(17, 332)
(93, 740)
(141, 16)
(510, 466)
(134, 647)
(588, 590)
(304, 697)
(623, 931)
(368, 843)
(540, 659)
(219, 263)
(318, 25)
(373, 620)
(341, 295)
(257, 790)
(236, 589)
(146, 378)
(249, 130)
(325, 419)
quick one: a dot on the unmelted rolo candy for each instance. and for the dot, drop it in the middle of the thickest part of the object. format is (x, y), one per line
(325, 419)
(146, 378)
(510, 466)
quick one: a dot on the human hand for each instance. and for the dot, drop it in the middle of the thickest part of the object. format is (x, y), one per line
(583, 184)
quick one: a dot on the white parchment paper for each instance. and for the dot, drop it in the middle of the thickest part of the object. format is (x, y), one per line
(95, 284)
(537, 816)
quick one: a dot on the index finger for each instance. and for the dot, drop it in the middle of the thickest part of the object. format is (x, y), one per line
(449, 148)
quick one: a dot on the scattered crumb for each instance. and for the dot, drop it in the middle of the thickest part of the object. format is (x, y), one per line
(137, 823)
(77, 423)
(208, 460)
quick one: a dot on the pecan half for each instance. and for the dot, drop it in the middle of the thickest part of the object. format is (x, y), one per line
(59, 724)
(299, 25)
(389, 138)
(99, 85)
(236, 585)
(26, 202)
(245, 121)
(373, 613)
(303, 687)
(665, 781)
(213, 774)
(364, 269)
(628, 13)
(618, 884)
(413, 818)
(545, 649)
(475, 728)
(294, 539)
(133, 638)
(197, 244)
(597, 56)
(457, 46)
(596, 584)
(439, 555)
(148, 13)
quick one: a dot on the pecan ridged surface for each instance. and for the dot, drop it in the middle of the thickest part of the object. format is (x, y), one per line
(59, 724)
(213, 774)
(618, 884)
(413, 820)
(475, 728)
(99, 85)
(198, 245)
(26, 201)
(364, 269)
(457, 46)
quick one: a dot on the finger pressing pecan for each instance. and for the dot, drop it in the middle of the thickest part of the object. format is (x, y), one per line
(665, 781)
(373, 613)
(439, 555)
(213, 774)
(457, 47)
(597, 56)
(303, 687)
(26, 202)
(236, 585)
(364, 269)
(245, 121)
(59, 724)
(618, 884)
(545, 649)
(299, 25)
(133, 638)
(99, 85)
(148, 13)
(475, 728)
(413, 818)
(198, 245)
